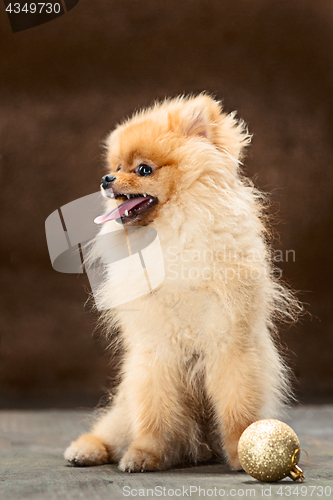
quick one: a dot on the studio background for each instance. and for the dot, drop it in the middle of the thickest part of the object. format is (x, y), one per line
(66, 83)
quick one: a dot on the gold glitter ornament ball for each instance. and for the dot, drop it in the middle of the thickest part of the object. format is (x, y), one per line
(269, 450)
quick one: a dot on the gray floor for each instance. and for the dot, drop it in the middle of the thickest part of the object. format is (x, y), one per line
(32, 465)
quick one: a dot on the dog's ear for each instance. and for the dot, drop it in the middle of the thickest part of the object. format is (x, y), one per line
(203, 116)
(195, 116)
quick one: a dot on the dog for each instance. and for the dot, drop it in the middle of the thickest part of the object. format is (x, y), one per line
(200, 358)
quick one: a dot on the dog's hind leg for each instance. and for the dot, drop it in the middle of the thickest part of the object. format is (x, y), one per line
(243, 386)
(109, 438)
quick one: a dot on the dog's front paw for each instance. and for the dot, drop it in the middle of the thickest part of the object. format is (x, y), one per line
(87, 450)
(140, 460)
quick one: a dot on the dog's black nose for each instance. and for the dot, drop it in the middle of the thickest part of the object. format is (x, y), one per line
(107, 180)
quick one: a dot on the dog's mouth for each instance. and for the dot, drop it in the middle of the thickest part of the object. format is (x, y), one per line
(129, 209)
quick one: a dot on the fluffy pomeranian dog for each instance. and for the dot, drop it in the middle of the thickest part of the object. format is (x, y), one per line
(200, 360)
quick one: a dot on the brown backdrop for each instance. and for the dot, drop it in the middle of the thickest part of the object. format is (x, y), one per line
(66, 83)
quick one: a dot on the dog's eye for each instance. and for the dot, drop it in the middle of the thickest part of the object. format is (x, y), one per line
(144, 170)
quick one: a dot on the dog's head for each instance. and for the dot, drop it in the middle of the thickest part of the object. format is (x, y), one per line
(155, 156)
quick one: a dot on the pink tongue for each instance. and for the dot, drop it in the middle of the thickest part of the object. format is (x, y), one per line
(120, 210)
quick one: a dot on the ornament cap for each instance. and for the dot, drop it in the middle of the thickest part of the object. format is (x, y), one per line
(296, 474)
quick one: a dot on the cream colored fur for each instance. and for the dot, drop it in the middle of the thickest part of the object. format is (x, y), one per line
(200, 360)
